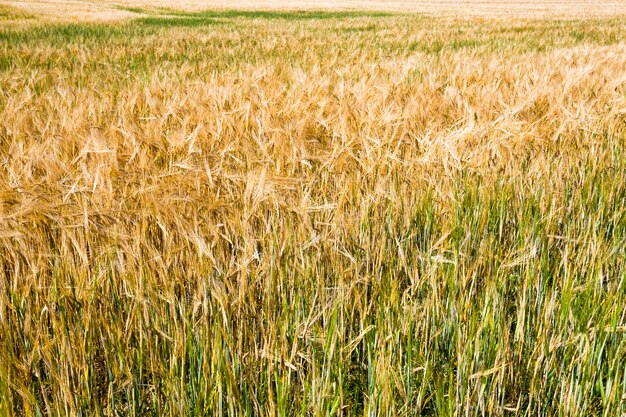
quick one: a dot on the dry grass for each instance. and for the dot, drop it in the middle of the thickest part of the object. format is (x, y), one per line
(272, 213)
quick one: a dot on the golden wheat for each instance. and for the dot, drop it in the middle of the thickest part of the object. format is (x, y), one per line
(312, 213)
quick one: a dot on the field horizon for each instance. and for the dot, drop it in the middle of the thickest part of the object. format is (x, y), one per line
(332, 212)
(101, 10)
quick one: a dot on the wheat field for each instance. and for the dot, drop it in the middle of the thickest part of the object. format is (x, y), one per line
(312, 213)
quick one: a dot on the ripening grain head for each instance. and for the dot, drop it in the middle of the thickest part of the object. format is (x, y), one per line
(310, 213)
